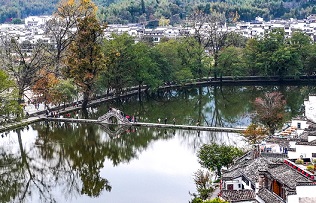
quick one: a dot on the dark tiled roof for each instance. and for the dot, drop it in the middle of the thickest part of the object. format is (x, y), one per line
(269, 197)
(251, 172)
(307, 199)
(286, 175)
(283, 142)
(311, 143)
(249, 168)
(238, 195)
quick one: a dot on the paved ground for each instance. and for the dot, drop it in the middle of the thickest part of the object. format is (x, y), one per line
(215, 193)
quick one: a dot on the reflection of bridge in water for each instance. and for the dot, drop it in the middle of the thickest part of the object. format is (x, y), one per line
(116, 117)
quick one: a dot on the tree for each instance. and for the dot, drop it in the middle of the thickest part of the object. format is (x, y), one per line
(143, 69)
(270, 110)
(172, 70)
(23, 61)
(255, 133)
(230, 62)
(65, 92)
(60, 27)
(8, 96)
(85, 59)
(214, 156)
(43, 88)
(209, 33)
(203, 184)
(118, 55)
(309, 62)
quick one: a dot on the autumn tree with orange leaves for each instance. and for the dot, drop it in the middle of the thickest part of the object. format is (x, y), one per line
(62, 25)
(85, 59)
(255, 133)
(270, 111)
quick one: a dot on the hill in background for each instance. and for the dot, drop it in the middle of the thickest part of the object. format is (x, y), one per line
(140, 11)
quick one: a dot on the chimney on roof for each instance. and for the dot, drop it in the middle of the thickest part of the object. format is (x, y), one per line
(256, 151)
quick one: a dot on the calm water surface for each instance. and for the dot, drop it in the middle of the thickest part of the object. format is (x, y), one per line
(66, 163)
(76, 164)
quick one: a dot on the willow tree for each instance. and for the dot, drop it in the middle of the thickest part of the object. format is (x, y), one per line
(85, 59)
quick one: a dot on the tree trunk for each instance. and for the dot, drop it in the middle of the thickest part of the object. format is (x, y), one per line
(85, 101)
(139, 91)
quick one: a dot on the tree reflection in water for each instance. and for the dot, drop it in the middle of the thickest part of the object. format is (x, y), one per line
(66, 157)
(69, 157)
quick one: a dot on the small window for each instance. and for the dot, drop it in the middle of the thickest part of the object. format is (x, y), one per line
(313, 154)
(299, 125)
(230, 187)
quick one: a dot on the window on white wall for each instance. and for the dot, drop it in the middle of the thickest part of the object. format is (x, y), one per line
(313, 154)
(299, 125)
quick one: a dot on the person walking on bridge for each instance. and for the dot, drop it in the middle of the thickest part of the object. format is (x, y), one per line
(166, 119)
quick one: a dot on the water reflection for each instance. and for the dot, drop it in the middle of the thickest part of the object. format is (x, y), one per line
(68, 159)
(226, 106)
(66, 162)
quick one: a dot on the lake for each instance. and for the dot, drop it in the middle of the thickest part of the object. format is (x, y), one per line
(63, 162)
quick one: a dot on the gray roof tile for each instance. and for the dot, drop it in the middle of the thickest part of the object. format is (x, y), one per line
(269, 197)
(238, 195)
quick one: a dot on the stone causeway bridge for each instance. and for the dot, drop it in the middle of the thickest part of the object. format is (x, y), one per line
(115, 116)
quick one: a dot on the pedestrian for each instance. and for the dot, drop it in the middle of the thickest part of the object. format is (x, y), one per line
(174, 121)
(166, 119)
(77, 115)
(198, 123)
(159, 120)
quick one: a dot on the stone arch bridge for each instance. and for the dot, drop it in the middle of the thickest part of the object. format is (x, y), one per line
(114, 113)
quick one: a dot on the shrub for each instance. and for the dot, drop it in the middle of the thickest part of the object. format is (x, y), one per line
(299, 161)
(310, 167)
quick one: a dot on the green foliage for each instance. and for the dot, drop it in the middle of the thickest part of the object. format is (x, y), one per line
(66, 91)
(125, 11)
(199, 200)
(118, 55)
(203, 183)
(9, 105)
(310, 167)
(275, 55)
(143, 69)
(299, 161)
(214, 156)
(216, 200)
(230, 62)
